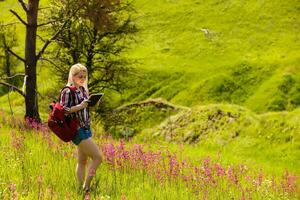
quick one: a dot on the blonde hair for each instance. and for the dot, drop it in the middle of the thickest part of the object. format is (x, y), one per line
(74, 70)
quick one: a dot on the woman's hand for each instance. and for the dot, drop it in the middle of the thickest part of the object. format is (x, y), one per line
(78, 107)
(84, 104)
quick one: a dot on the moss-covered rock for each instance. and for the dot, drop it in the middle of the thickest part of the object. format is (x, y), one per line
(130, 119)
(220, 122)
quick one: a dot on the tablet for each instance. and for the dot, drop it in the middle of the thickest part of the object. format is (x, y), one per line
(94, 99)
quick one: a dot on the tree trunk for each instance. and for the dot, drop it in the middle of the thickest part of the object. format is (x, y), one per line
(91, 51)
(7, 63)
(31, 99)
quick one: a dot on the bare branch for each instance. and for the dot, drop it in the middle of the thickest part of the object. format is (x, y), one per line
(46, 23)
(9, 24)
(43, 97)
(43, 8)
(10, 77)
(40, 37)
(13, 87)
(50, 61)
(54, 36)
(23, 22)
(50, 40)
(24, 6)
(13, 53)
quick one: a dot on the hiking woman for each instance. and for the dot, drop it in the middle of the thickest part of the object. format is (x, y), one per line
(78, 107)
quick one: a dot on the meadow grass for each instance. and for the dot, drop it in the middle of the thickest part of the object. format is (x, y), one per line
(36, 165)
(249, 57)
(33, 170)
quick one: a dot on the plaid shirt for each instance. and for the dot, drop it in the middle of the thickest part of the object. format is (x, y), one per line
(66, 101)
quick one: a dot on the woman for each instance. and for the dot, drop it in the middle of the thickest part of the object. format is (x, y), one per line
(78, 107)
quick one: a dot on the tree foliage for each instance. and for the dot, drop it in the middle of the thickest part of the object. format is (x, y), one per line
(96, 34)
(8, 63)
(8, 39)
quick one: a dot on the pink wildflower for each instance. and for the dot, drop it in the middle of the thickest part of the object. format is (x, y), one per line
(260, 178)
(87, 196)
(220, 170)
(92, 172)
(13, 190)
(17, 141)
(232, 176)
(174, 165)
(289, 182)
(123, 197)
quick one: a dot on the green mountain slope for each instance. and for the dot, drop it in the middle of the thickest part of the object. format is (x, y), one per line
(201, 52)
(228, 51)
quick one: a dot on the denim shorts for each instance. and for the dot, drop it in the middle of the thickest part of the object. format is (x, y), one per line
(82, 134)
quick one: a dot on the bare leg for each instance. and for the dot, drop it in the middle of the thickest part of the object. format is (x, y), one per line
(89, 148)
(81, 166)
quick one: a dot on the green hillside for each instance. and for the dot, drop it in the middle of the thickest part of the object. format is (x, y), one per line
(217, 82)
(200, 52)
(271, 138)
(241, 52)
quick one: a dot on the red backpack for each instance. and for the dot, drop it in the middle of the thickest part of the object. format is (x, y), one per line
(63, 126)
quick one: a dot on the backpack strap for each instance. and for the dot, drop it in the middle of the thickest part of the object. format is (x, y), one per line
(72, 89)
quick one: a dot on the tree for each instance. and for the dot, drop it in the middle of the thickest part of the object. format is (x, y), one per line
(8, 63)
(95, 35)
(31, 58)
(99, 23)
(8, 39)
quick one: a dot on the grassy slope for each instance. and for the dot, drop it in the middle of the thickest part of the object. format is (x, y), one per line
(40, 171)
(40, 167)
(245, 59)
(234, 133)
(263, 35)
(250, 57)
